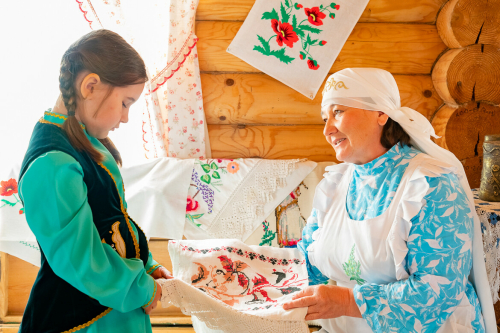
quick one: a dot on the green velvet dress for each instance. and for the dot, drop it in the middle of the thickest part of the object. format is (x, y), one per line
(57, 210)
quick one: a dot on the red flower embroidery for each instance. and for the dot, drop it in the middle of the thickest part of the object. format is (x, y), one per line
(323, 42)
(191, 205)
(285, 33)
(312, 64)
(8, 187)
(314, 15)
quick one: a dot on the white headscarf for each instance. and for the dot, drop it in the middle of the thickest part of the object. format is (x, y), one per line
(376, 90)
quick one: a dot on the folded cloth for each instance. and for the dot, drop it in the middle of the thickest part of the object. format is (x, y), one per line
(233, 287)
(230, 198)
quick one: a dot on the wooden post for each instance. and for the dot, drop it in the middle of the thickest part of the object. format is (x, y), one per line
(4, 300)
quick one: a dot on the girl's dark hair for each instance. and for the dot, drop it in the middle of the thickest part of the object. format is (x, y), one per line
(393, 133)
(118, 64)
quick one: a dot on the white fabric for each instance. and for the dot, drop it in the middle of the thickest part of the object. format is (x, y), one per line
(292, 211)
(376, 90)
(380, 262)
(233, 287)
(163, 33)
(230, 199)
(155, 194)
(296, 72)
(488, 213)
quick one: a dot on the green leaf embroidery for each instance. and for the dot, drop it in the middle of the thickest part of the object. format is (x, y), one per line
(352, 268)
(12, 204)
(216, 175)
(294, 23)
(190, 218)
(197, 216)
(269, 235)
(288, 3)
(284, 14)
(214, 166)
(270, 16)
(206, 168)
(310, 29)
(280, 54)
(265, 44)
(205, 178)
(21, 211)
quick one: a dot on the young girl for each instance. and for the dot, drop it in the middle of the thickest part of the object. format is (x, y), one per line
(96, 273)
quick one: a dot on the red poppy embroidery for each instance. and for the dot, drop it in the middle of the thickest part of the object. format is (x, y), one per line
(284, 33)
(312, 64)
(191, 205)
(314, 15)
(8, 187)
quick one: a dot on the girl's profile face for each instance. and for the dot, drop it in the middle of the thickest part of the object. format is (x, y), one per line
(104, 110)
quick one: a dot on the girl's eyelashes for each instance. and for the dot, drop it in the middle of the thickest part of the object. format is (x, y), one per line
(124, 105)
(325, 120)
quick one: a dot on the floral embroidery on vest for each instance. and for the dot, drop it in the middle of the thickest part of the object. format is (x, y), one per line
(352, 268)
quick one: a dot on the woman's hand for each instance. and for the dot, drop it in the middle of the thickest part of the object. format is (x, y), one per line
(161, 272)
(325, 302)
(153, 305)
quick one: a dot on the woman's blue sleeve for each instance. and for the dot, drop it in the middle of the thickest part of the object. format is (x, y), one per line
(438, 262)
(315, 275)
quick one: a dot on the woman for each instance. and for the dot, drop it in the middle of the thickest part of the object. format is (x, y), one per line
(394, 224)
(96, 273)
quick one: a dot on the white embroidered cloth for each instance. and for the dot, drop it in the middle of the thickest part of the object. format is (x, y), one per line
(296, 42)
(233, 287)
(489, 214)
(231, 198)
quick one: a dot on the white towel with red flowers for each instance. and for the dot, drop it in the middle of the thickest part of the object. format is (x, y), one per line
(296, 41)
(233, 287)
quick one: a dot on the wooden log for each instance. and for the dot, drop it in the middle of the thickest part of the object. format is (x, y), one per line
(465, 128)
(270, 142)
(4, 299)
(468, 74)
(465, 22)
(260, 99)
(364, 50)
(421, 11)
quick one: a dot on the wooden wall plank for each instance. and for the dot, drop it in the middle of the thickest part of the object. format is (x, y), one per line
(270, 142)
(369, 47)
(4, 295)
(362, 32)
(422, 11)
(260, 99)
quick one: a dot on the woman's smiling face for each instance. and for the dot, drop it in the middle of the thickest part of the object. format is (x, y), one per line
(354, 133)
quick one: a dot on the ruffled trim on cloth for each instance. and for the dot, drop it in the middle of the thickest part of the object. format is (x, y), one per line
(410, 205)
(174, 64)
(326, 190)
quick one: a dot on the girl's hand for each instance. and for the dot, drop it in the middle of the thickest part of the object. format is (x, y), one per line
(325, 302)
(161, 272)
(157, 298)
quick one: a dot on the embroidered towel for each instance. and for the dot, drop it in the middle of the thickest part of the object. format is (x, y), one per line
(296, 42)
(234, 287)
(230, 198)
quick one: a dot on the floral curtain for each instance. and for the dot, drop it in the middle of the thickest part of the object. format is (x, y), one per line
(173, 122)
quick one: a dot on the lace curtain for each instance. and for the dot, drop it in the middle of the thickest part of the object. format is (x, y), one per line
(173, 122)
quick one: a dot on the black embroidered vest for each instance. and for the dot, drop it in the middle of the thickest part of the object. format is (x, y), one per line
(54, 305)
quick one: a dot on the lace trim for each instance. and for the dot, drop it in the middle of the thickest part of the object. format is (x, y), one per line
(122, 207)
(79, 327)
(84, 12)
(220, 316)
(247, 200)
(168, 72)
(491, 239)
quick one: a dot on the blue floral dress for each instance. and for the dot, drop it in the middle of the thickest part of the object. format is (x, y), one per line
(429, 242)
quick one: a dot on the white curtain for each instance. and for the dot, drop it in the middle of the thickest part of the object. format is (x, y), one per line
(162, 31)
